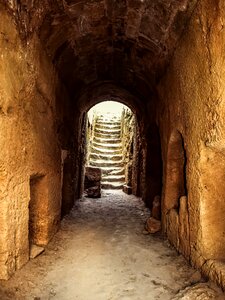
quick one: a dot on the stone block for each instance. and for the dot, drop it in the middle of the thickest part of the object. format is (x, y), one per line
(127, 189)
(94, 192)
(173, 227)
(36, 250)
(92, 174)
(128, 173)
(215, 270)
(153, 225)
(184, 244)
(92, 182)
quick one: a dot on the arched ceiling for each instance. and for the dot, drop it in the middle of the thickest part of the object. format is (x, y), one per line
(125, 41)
(103, 91)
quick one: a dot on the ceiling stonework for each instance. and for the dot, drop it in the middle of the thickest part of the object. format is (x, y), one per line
(126, 41)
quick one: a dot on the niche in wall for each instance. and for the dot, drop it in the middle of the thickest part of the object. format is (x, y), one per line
(175, 177)
(175, 205)
(36, 205)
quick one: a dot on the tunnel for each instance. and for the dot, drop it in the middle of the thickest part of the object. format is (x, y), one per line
(165, 61)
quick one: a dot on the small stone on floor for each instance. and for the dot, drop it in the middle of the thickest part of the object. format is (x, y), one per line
(36, 250)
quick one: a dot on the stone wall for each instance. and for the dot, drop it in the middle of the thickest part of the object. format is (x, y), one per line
(30, 155)
(191, 117)
(90, 127)
(142, 156)
(127, 135)
(43, 134)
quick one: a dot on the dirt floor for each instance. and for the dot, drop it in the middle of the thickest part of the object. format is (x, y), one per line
(102, 253)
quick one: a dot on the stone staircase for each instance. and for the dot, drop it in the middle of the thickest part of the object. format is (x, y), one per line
(106, 151)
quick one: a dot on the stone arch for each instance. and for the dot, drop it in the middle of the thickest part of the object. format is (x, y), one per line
(102, 91)
(93, 95)
(132, 169)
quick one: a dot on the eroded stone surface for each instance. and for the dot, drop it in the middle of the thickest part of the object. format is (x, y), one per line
(194, 79)
(201, 291)
(29, 146)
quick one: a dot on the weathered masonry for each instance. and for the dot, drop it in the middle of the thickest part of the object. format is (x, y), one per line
(165, 60)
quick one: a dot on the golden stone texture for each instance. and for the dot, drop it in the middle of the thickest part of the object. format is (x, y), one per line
(192, 101)
(165, 59)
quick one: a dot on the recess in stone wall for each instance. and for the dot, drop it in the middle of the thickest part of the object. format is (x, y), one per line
(175, 211)
(37, 196)
(175, 182)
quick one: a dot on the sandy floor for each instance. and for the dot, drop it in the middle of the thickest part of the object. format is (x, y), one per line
(101, 253)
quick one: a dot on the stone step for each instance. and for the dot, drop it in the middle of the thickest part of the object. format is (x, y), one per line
(109, 117)
(105, 151)
(112, 170)
(108, 131)
(107, 127)
(112, 186)
(107, 140)
(107, 135)
(113, 178)
(107, 146)
(106, 157)
(102, 163)
(107, 123)
(118, 172)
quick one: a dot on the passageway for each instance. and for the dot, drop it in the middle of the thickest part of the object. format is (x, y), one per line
(164, 59)
(101, 252)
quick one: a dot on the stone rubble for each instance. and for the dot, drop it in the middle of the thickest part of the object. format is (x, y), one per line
(152, 225)
(36, 250)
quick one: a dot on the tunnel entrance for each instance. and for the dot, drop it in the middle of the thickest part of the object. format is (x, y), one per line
(110, 134)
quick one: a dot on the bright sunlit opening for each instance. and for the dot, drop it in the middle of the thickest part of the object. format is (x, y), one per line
(108, 107)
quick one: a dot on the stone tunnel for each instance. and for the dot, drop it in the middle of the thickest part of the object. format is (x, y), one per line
(165, 60)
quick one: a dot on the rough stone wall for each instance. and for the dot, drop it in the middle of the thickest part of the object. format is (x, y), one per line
(152, 163)
(192, 102)
(78, 155)
(90, 127)
(127, 135)
(30, 156)
(138, 162)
